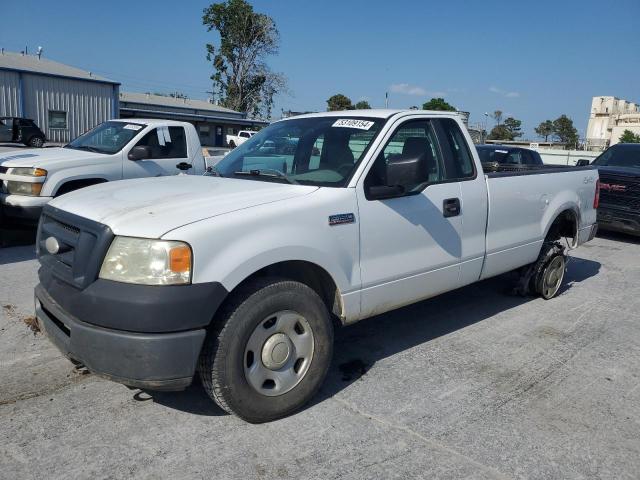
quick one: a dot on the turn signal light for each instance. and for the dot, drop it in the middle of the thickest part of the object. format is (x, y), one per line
(180, 259)
(39, 172)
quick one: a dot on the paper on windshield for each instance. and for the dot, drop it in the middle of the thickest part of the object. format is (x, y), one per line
(130, 126)
(353, 123)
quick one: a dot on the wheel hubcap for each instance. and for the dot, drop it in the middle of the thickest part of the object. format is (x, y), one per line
(278, 353)
(553, 277)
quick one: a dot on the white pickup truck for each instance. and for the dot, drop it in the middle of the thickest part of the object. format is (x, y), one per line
(236, 140)
(114, 150)
(239, 275)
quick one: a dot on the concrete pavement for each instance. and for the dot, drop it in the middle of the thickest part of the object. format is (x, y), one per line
(472, 384)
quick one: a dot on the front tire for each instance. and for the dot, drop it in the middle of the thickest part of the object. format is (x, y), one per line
(36, 142)
(270, 350)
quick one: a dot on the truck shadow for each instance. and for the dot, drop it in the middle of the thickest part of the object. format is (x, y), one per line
(358, 347)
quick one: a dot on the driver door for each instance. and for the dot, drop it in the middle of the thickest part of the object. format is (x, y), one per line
(167, 146)
(411, 245)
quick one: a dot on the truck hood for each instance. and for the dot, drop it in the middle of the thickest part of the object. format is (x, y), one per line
(46, 158)
(151, 207)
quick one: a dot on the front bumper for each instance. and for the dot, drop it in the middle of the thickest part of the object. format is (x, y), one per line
(23, 207)
(154, 361)
(619, 221)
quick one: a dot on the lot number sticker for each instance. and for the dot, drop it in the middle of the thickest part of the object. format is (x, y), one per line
(131, 126)
(353, 123)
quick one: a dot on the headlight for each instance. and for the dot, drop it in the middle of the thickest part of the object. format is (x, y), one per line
(28, 171)
(24, 188)
(148, 262)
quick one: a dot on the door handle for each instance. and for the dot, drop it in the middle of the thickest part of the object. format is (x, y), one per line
(451, 207)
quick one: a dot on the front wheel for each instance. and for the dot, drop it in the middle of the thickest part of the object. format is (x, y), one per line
(270, 351)
(36, 142)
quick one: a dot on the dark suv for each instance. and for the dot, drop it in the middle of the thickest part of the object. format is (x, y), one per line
(21, 130)
(619, 169)
(504, 158)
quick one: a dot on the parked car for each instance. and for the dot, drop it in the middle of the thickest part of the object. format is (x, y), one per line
(502, 157)
(21, 130)
(239, 275)
(114, 150)
(242, 136)
(619, 168)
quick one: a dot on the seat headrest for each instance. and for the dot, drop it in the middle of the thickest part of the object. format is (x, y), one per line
(415, 146)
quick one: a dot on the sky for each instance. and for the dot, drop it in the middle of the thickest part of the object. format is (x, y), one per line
(533, 62)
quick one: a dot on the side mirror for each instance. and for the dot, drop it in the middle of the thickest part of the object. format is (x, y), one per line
(402, 174)
(583, 162)
(139, 152)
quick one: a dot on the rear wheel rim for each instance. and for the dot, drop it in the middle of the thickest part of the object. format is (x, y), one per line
(278, 353)
(553, 276)
(36, 142)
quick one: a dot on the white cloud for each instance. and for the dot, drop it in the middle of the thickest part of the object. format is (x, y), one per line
(406, 89)
(504, 93)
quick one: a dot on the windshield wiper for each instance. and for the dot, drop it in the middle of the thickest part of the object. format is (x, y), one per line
(262, 173)
(88, 148)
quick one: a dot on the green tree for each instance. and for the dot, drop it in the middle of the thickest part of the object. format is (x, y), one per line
(629, 137)
(565, 132)
(438, 104)
(545, 129)
(500, 132)
(497, 116)
(362, 105)
(514, 127)
(242, 80)
(339, 102)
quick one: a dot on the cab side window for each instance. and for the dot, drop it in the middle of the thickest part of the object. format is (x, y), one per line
(413, 139)
(458, 159)
(165, 145)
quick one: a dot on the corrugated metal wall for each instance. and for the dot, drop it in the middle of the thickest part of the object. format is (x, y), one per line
(87, 104)
(9, 93)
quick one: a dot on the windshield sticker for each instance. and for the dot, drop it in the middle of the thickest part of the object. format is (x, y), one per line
(502, 151)
(353, 123)
(131, 126)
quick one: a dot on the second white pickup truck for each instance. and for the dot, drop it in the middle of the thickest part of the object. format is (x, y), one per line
(334, 216)
(114, 150)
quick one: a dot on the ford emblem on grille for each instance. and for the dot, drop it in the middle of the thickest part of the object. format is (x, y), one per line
(52, 245)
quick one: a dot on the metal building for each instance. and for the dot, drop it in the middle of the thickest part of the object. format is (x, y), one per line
(64, 101)
(212, 122)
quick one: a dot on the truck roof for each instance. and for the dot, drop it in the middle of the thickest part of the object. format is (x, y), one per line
(373, 112)
(148, 121)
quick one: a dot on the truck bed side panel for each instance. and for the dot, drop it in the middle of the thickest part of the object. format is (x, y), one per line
(522, 207)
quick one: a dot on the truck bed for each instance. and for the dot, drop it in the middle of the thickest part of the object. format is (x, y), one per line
(523, 194)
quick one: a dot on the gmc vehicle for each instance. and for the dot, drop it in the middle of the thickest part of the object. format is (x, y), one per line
(240, 275)
(619, 168)
(113, 150)
(21, 130)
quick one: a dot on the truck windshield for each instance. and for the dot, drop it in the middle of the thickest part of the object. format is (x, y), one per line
(320, 151)
(620, 156)
(107, 138)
